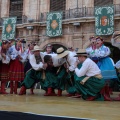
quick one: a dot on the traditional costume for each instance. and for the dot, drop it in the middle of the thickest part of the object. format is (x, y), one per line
(65, 75)
(16, 71)
(34, 75)
(88, 78)
(4, 70)
(101, 56)
(27, 65)
(50, 82)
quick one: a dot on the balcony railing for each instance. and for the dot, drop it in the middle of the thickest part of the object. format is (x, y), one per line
(78, 13)
(67, 14)
(73, 13)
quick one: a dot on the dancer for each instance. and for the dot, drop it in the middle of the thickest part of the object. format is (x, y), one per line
(66, 72)
(88, 78)
(16, 71)
(35, 74)
(4, 76)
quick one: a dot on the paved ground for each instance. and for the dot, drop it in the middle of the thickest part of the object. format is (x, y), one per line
(61, 106)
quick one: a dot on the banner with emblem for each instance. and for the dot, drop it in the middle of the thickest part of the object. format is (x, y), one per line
(104, 20)
(9, 28)
(54, 24)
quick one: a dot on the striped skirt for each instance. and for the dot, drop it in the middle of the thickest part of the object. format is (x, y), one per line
(4, 72)
(16, 71)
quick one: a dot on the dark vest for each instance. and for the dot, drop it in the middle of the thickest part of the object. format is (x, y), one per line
(38, 59)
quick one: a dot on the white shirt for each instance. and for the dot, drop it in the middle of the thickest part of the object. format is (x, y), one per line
(33, 63)
(89, 68)
(57, 62)
(7, 60)
(72, 60)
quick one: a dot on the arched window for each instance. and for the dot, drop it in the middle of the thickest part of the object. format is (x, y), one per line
(57, 5)
(16, 9)
(102, 2)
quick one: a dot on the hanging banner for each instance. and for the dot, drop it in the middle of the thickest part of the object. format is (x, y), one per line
(104, 20)
(9, 28)
(54, 24)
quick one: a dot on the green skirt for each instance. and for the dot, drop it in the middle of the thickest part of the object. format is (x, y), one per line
(92, 87)
(49, 81)
(66, 81)
(31, 78)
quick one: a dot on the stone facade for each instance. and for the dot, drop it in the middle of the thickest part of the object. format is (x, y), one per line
(73, 36)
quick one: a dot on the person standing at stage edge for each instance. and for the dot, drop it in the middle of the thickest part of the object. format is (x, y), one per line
(16, 71)
(4, 67)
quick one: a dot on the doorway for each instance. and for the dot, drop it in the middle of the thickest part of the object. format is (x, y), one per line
(115, 52)
(56, 46)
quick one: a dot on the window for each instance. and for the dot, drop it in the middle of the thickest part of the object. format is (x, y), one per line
(57, 5)
(16, 9)
(102, 2)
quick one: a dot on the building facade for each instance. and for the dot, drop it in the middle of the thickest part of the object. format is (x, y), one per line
(78, 19)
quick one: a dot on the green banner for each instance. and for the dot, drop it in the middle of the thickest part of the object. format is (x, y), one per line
(104, 20)
(54, 24)
(9, 28)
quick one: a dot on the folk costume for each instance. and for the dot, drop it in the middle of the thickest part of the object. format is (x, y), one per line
(4, 68)
(104, 62)
(100, 55)
(65, 75)
(34, 75)
(50, 82)
(16, 71)
(27, 66)
(88, 78)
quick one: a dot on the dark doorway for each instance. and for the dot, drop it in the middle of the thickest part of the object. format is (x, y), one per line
(56, 46)
(115, 52)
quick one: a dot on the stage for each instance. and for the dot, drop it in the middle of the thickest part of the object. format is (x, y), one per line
(60, 106)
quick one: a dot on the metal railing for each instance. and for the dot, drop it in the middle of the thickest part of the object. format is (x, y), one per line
(78, 13)
(72, 13)
(67, 14)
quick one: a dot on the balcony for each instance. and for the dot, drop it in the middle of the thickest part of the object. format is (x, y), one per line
(79, 13)
(76, 13)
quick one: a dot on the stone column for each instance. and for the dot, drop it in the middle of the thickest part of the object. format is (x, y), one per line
(71, 4)
(44, 6)
(5, 6)
(31, 9)
(116, 1)
(88, 3)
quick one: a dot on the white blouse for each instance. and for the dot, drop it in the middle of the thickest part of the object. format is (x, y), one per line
(7, 60)
(101, 52)
(14, 53)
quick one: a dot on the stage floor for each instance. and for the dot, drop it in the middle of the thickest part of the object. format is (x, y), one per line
(60, 106)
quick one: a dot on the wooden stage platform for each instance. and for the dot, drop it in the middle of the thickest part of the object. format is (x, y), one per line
(61, 106)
